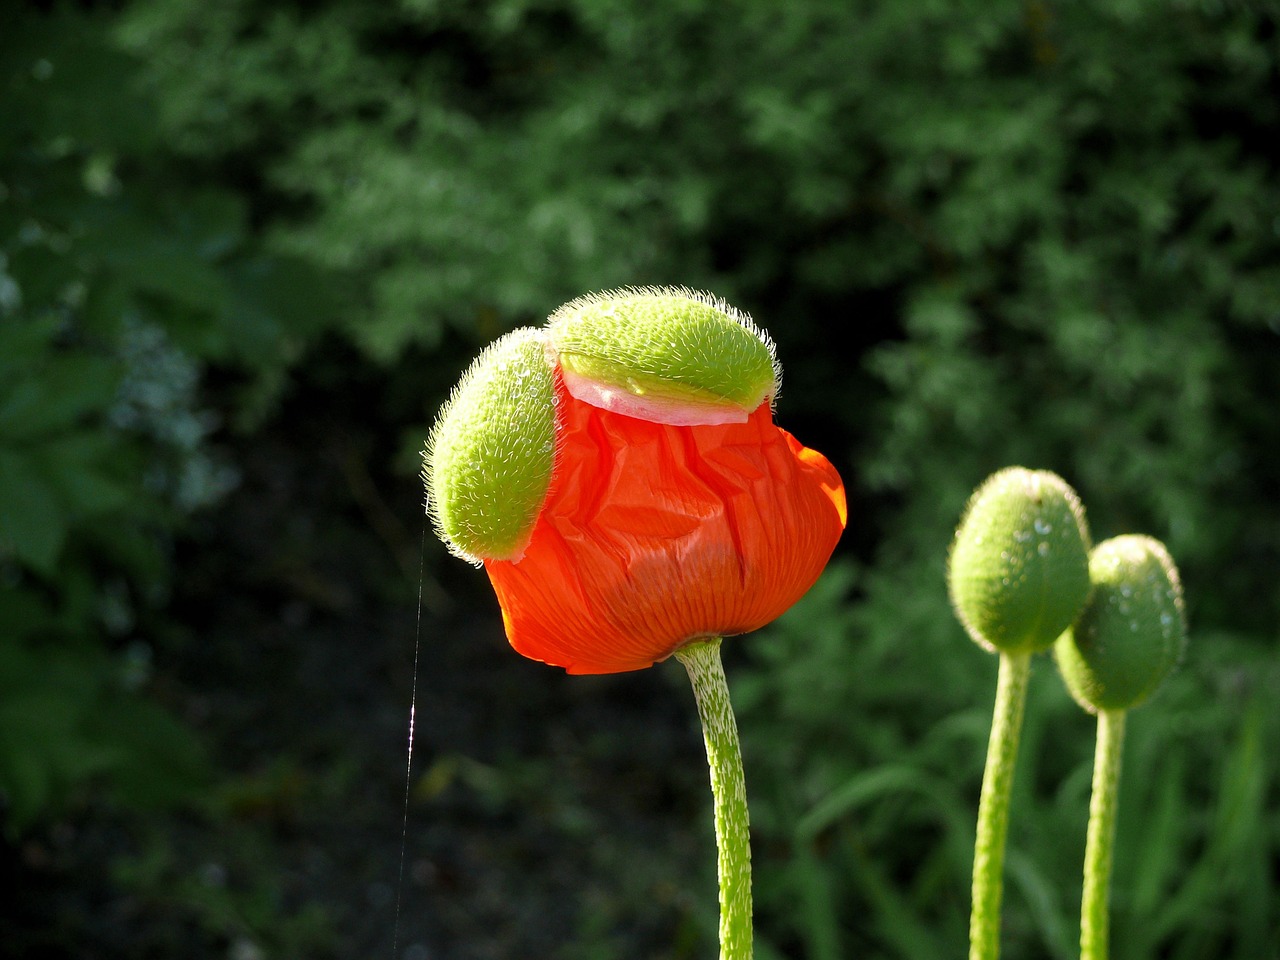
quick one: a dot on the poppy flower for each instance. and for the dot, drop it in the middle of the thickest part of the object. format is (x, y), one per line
(653, 535)
(672, 513)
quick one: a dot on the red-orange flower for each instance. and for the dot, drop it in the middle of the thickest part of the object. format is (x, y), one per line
(654, 535)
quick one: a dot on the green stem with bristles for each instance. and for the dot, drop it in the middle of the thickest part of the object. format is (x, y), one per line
(728, 790)
(993, 806)
(1101, 837)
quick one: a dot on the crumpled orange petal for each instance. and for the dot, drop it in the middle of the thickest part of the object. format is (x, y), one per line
(654, 535)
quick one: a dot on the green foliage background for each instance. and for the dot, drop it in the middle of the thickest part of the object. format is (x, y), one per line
(1017, 232)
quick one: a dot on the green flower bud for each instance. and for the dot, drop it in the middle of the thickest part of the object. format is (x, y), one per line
(1019, 567)
(489, 457)
(1132, 633)
(664, 354)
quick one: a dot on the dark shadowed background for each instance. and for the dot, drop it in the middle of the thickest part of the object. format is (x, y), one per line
(247, 247)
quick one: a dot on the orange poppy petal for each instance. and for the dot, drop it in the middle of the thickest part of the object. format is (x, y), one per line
(653, 535)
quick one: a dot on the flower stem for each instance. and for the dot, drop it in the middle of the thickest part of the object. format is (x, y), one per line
(1101, 836)
(720, 732)
(993, 806)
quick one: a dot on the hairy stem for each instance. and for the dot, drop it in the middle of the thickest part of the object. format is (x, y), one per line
(993, 806)
(728, 789)
(1102, 834)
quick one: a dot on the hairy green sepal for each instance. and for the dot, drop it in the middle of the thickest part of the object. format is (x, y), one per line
(1132, 633)
(1018, 572)
(664, 354)
(490, 455)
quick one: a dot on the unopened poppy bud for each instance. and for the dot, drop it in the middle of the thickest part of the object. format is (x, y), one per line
(489, 457)
(667, 355)
(1133, 631)
(1018, 572)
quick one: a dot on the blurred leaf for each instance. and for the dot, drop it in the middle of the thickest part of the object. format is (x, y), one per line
(875, 784)
(124, 274)
(1162, 849)
(56, 396)
(1045, 903)
(893, 916)
(52, 71)
(160, 761)
(81, 468)
(33, 526)
(64, 726)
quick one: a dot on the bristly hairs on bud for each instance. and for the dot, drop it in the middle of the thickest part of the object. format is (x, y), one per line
(489, 458)
(669, 354)
(1133, 632)
(719, 304)
(1018, 570)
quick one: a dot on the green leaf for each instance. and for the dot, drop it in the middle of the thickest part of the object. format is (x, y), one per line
(85, 470)
(33, 526)
(23, 613)
(56, 395)
(160, 761)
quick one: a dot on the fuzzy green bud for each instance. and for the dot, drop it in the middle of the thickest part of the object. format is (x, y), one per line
(489, 457)
(664, 354)
(1018, 572)
(1133, 631)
